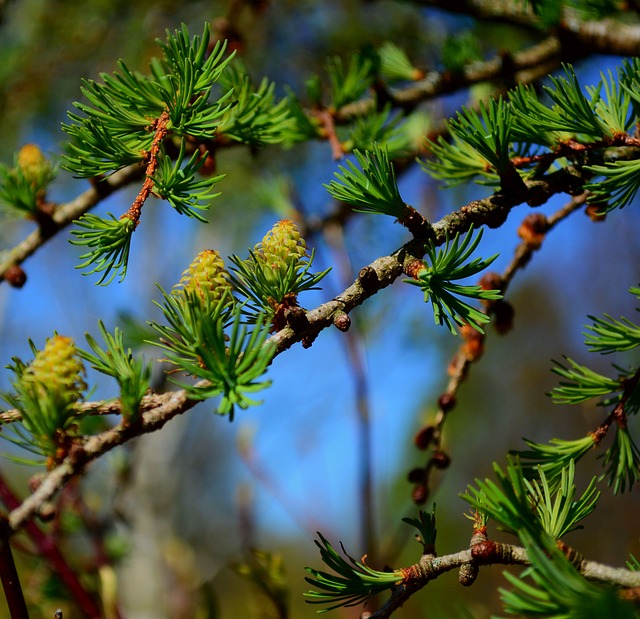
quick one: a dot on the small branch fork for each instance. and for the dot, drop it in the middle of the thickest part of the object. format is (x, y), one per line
(430, 436)
(618, 414)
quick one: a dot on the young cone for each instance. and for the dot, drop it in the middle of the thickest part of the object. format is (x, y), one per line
(56, 373)
(281, 247)
(206, 275)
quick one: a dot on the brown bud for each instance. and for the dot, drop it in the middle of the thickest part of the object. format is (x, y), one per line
(416, 475)
(297, 318)
(420, 494)
(447, 402)
(440, 460)
(594, 212)
(467, 574)
(533, 228)
(47, 512)
(414, 268)
(423, 437)
(342, 321)
(368, 278)
(35, 481)
(15, 276)
(491, 281)
(210, 165)
(473, 343)
(502, 316)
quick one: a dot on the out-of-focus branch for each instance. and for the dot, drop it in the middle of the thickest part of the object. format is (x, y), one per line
(523, 66)
(576, 36)
(66, 214)
(49, 550)
(150, 421)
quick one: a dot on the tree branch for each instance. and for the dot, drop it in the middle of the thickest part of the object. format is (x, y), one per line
(487, 553)
(66, 214)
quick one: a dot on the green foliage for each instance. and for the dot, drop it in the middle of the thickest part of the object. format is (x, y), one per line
(480, 146)
(380, 129)
(437, 282)
(228, 362)
(617, 184)
(457, 162)
(45, 392)
(489, 132)
(23, 186)
(116, 128)
(572, 111)
(131, 373)
(129, 119)
(622, 461)
(520, 505)
(276, 271)
(460, 50)
(371, 189)
(176, 182)
(425, 524)
(554, 588)
(170, 124)
(561, 514)
(548, 11)
(582, 384)
(608, 335)
(109, 241)
(255, 118)
(350, 83)
(352, 583)
(303, 127)
(553, 458)
(395, 65)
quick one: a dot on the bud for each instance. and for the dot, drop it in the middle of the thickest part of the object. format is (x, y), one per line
(595, 212)
(473, 346)
(420, 493)
(440, 460)
(56, 370)
(533, 229)
(423, 437)
(35, 167)
(206, 275)
(447, 402)
(281, 247)
(491, 281)
(417, 475)
(342, 321)
(15, 276)
(502, 316)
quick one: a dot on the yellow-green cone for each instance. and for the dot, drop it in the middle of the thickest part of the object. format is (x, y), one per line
(56, 373)
(205, 275)
(281, 247)
(35, 167)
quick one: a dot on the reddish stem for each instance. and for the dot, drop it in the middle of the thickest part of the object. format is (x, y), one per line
(47, 548)
(160, 126)
(9, 576)
(328, 123)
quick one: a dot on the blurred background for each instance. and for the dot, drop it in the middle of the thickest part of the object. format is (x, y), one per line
(181, 508)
